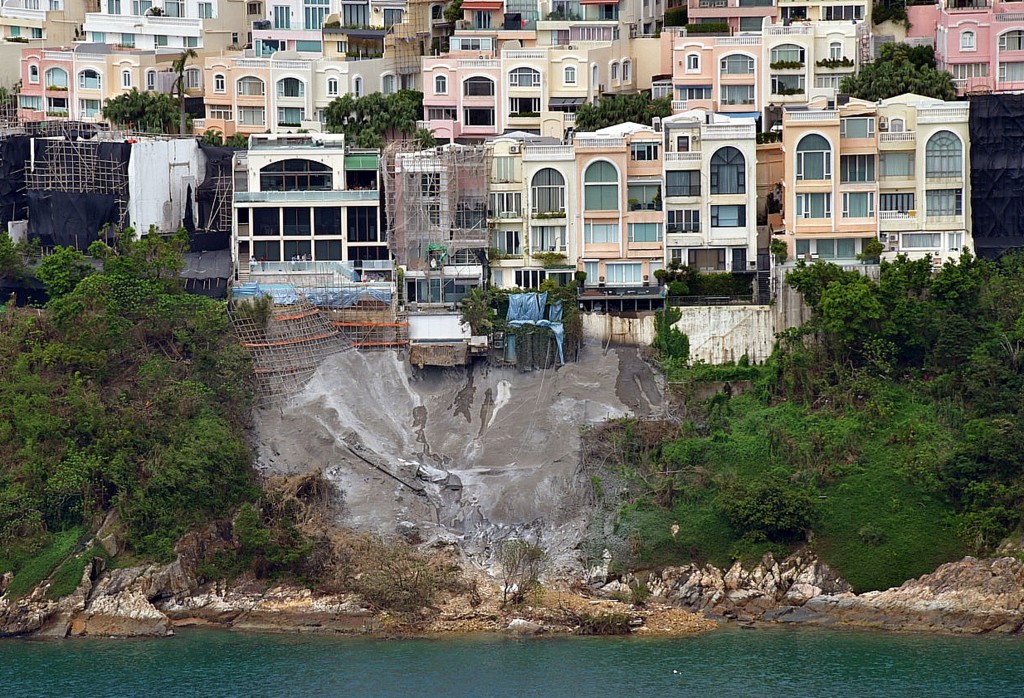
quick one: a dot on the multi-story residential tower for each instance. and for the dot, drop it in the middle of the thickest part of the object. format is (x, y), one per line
(174, 24)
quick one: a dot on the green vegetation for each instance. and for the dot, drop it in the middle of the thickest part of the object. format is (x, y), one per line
(899, 69)
(610, 111)
(151, 112)
(125, 393)
(33, 568)
(66, 578)
(890, 11)
(374, 119)
(885, 434)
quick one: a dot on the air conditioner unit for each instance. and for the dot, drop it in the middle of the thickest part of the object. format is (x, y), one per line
(513, 149)
(883, 123)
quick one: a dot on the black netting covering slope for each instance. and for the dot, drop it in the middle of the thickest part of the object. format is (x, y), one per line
(69, 218)
(997, 173)
(14, 153)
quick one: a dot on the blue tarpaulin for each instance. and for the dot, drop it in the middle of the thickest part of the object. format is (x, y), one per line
(339, 297)
(528, 309)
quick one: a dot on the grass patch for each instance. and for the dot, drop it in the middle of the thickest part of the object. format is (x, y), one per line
(68, 576)
(30, 572)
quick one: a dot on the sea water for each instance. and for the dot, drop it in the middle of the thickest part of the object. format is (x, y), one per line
(728, 662)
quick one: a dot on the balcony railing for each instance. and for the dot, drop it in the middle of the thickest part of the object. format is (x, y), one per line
(679, 105)
(908, 216)
(693, 156)
(600, 143)
(943, 114)
(899, 137)
(287, 196)
(812, 116)
(525, 55)
(548, 152)
(728, 132)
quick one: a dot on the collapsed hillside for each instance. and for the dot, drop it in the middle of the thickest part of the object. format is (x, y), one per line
(473, 454)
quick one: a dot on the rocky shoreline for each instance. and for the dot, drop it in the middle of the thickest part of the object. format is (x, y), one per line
(970, 596)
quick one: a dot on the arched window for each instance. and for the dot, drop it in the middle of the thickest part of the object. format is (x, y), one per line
(357, 87)
(478, 87)
(150, 80)
(296, 175)
(524, 77)
(693, 63)
(601, 187)
(1012, 40)
(219, 83)
(627, 71)
(126, 79)
(332, 87)
(33, 73)
(437, 12)
(967, 41)
(569, 75)
(835, 51)
(441, 85)
(548, 191)
(57, 77)
(944, 155)
(787, 53)
(193, 79)
(614, 71)
(897, 126)
(251, 87)
(728, 171)
(387, 84)
(813, 158)
(593, 77)
(89, 79)
(737, 64)
(291, 87)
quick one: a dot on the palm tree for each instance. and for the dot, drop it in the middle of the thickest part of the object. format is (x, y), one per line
(179, 67)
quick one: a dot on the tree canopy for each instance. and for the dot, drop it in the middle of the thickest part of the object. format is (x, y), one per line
(152, 112)
(900, 69)
(609, 111)
(372, 120)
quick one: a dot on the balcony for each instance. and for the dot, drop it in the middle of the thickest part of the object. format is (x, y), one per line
(967, 5)
(143, 24)
(903, 140)
(897, 220)
(693, 156)
(525, 55)
(22, 13)
(943, 114)
(679, 105)
(729, 132)
(599, 143)
(534, 153)
(250, 197)
(795, 30)
(819, 116)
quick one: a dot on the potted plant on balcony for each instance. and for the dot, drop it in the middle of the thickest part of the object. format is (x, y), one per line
(634, 204)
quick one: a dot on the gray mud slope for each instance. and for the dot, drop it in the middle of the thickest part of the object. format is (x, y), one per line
(477, 453)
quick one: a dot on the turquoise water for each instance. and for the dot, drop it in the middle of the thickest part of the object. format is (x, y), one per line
(729, 663)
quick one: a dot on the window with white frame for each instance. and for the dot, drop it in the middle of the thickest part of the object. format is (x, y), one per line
(1012, 40)
(504, 169)
(835, 51)
(860, 204)
(898, 165)
(964, 71)
(1011, 72)
(614, 72)
(899, 202)
(506, 204)
(440, 85)
(728, 171)
(967, 41)
(645, 232)
(624, 274)
(601, 187)
(944, 156)
(387, 84)
(219, 83)
(857, 168)
(126, 79)
(813, 158)
(788, 54)
(250, 87)
(734, 216)
(507, 242)
(737, 64)
(569, 75)
(693, 63)
(193, 79)
(524, 106)
(33, 74)
(944, 202)
(814, 205)
(547, 191)
(57, 77)
(740, 94)
(857, 127)
(601, 233)
(644, 152)
(897, 125)
(956, 241)
(220, 112)
(291, 87)
(357, 87)
(827, 82)
(627, 71)
(524, 77)
(478, 87)
(89, 79)
(921, 241)
(150, 80)
(332, 87)
(547, 238)
(702, 92)
(251, 116)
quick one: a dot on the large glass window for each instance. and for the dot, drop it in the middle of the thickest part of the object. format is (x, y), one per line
(728, 216)
(361, 223)
(327, 221)
(1012, 41)
(736, 94)
(685, 183)
(814, 205)
(440, 85)
(901, 202)
(858, 204)
(89, 79)
(296, 175)
(547, 238)
(857, 127)
(507, 242)
(813, 158)
(737, 64)
(548, 191)
(524, 77)
(921, 240)
(57, 77)
(728, 171)
(786, 55)
(645, 232)
(944, 202)
(644, 197)
(601, 233)
(685, 220)
(250, 87)
(506, 204)
(857, 168)
(897, 165)
(601, 187)
(296, 220)
(478, 87)
(291, 87)
(478, 116)
(944, 155)
(624, 274)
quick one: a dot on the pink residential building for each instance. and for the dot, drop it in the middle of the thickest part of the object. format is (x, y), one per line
(716, 73)
(462, 91)
(740, 15)
(981, 42)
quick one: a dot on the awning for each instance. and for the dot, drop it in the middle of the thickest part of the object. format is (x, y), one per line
(482, 4)
(566, 102)
(362, 161)
(741, 114)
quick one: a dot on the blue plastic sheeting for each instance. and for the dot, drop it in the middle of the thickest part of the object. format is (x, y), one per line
(286, 294)
(528, 309)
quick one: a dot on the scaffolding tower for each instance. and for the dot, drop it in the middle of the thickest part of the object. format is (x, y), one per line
(286, 343)
(435, 204)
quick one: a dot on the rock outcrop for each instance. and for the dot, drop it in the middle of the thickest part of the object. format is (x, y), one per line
(968, 596)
